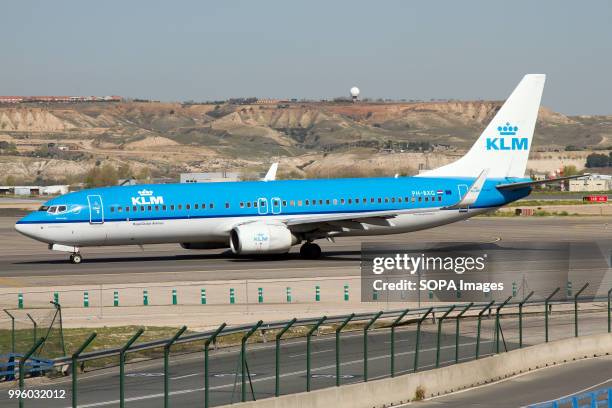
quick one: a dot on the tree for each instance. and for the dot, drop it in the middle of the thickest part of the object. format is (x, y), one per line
(100, 176)
(598, 160)
(570, 170)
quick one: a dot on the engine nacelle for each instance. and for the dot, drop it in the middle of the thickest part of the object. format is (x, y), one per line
(260, 238)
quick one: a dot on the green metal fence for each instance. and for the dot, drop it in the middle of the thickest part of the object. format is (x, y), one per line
(336, 350)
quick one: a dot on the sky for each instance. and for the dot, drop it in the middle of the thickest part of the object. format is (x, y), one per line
(208, 50)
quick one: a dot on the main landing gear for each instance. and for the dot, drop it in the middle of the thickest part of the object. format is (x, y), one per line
(310, 251)
(76, 258)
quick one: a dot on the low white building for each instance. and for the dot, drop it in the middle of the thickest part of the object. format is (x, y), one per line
(594, 182)
(209, 177)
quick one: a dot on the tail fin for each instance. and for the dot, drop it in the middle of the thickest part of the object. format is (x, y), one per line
(503, 147)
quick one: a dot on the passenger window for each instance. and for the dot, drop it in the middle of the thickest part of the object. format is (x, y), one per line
(292, 203)
(112, 209)
(157, 208)
(226, 205)
(320, 202)
(420, 199)
(379, 200)
(188, 207)
(127, 209)
(142, 208)
(392, 199)
(248, 204)
(180, 206)
(212, 205)
(299, 203)
(327, 202)
(119, 209)
(195, 206)
(386, 199)
(241, 204)
(314, 202)
(307, 202)
(203, 205)
(412, 199)
(284, 203)
(172, 207)
(164, 208)
(356, 201)
(372, 199)
(399, 199)
(439, 198)
(350, 201)
(149, 208)
(342, 201)
(335, 201)
(426, 198)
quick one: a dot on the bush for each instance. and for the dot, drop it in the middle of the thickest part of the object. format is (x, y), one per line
(419, 393)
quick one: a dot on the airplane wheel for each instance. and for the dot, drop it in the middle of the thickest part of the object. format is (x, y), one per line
(76, 258)
(310, 251)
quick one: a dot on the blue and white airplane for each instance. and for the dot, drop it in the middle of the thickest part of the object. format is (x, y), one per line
(269, 217)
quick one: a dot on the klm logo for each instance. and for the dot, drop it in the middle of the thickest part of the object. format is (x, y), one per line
(146, 197)
(507, 139)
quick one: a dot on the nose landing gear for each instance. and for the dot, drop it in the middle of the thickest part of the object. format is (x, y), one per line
(76, 258)
(310, 250)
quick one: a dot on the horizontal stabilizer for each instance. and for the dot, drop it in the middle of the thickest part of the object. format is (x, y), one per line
(523, 184)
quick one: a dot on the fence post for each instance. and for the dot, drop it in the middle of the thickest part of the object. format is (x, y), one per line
(75, 358)
(260, 298)
(346, 293)
(203, 296)
(232, 296)
(576, 308)
(308, 337)
(34, 328)
(521, 318)
(122, 352)
(479, 325)
(317, 293)
(55, 297)
(609, 305)
(338, 330)
(86, 299)
(22, 362)
(116, 298)
(167, 364)
(458, 317)
(206, 365)
(497, 323)
(418, 339)
(243, 357)
(395, 323)
(145, 297)
(288, 294)
(440, 320)
(278, 340)
(365, 344)
(12, 332)
(20, 300)
(174, 297)
(546, 312)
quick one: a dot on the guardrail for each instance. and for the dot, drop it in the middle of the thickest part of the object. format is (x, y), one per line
(498, 313)
(600, 398)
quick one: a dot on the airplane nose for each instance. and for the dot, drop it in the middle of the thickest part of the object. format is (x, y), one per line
(25, 229)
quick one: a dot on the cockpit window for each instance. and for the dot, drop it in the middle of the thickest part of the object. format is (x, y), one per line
(52, 209)
(44, 208)
(61, 208)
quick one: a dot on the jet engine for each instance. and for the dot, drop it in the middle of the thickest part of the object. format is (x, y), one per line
(260, 238)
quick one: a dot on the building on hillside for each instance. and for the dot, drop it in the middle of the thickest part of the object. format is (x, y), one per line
(209, 177)
(594, 182)
(34, 190)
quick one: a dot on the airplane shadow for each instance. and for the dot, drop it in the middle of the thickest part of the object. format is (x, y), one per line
(228, 256)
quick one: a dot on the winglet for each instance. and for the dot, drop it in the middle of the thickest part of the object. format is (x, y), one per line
(472, 195)
(271, 174)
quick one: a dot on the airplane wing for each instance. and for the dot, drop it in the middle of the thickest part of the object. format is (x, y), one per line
(523, 184)
(361, 220)
(271, 174)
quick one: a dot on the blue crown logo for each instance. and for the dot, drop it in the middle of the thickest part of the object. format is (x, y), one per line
(507, 130)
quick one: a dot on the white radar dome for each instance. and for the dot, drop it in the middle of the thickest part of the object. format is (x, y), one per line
(354, 92)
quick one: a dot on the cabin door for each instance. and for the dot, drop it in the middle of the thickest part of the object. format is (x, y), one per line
(96, 209)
